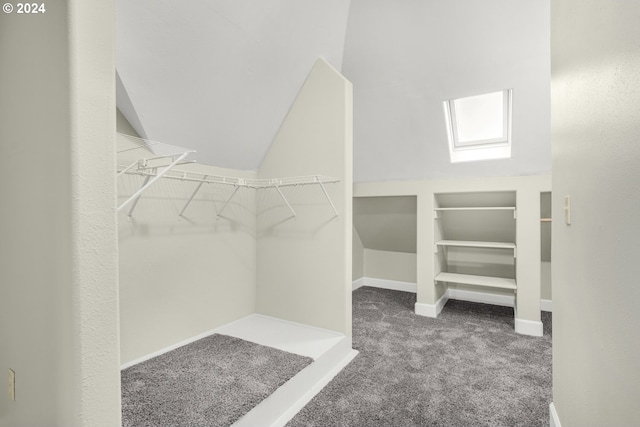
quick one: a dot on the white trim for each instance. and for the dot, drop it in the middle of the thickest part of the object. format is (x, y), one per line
(225, 330)
(482, 297)
(166, 349)
(394, 285)
(284, 403)
(529, 327)
(554, 421)
(495, 299)
(431, 310)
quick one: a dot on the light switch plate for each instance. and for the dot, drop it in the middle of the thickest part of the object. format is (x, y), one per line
(11, 385)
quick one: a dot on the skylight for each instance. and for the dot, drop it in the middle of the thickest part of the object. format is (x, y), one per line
(479, 127)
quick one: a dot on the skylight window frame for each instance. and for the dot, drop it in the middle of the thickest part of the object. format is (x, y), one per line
(485, 149)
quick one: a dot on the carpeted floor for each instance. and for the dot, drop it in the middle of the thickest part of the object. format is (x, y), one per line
(466, 368)
(211, 382)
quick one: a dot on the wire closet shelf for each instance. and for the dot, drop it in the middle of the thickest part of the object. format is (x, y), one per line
(154, 160)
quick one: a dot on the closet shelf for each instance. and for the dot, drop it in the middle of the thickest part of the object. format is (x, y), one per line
(158, 160)
(545, 219)
(476, 244)
(475, 208)
(239, 182)
(478, 208)
(468, 279)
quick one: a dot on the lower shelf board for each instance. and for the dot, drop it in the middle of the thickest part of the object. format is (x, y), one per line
(468, 279)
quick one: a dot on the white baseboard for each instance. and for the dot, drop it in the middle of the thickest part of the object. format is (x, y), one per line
(394, 285)
(546, 305)
(431, 310)
(166, 349)
(554, 421)
(482, 297)
(522, 326)
(529, 327)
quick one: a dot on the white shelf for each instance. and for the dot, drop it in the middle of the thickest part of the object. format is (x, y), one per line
(154, 160)
(475, 244)
(479, 208)
(468, 279)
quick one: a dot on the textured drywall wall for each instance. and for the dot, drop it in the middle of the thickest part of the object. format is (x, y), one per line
(595, 128)
(58, 265)
(400, 266)
(358, 256)
(406, 58)
(184, 276)
(304, 263)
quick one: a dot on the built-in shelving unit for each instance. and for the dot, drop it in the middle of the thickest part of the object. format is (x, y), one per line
(475, 234)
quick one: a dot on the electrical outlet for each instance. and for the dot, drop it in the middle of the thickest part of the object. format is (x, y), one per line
(11, 385)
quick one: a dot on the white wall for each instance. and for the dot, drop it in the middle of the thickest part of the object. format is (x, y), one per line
(58, 260)
(304, 263)
(386, 223)
(184, 276)
(406, 58)
(123, 125)
(357, 256)
(545, 253)
(389, 265)
(595, 128)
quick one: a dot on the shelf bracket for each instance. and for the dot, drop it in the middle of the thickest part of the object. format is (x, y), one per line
(293, 213)
(193, 195)
(135, 202)
(515, 214)
(235, 190)
(324, 190)
(148, 183)
(125, 170)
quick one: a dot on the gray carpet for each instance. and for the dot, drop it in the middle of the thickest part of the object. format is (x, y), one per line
(466, 368)
(211, 382)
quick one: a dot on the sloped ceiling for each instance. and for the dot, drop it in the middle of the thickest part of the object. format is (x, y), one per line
(406, 57)
(219, 76)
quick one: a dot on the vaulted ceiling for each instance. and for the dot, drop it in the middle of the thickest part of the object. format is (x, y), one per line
(219, 76)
